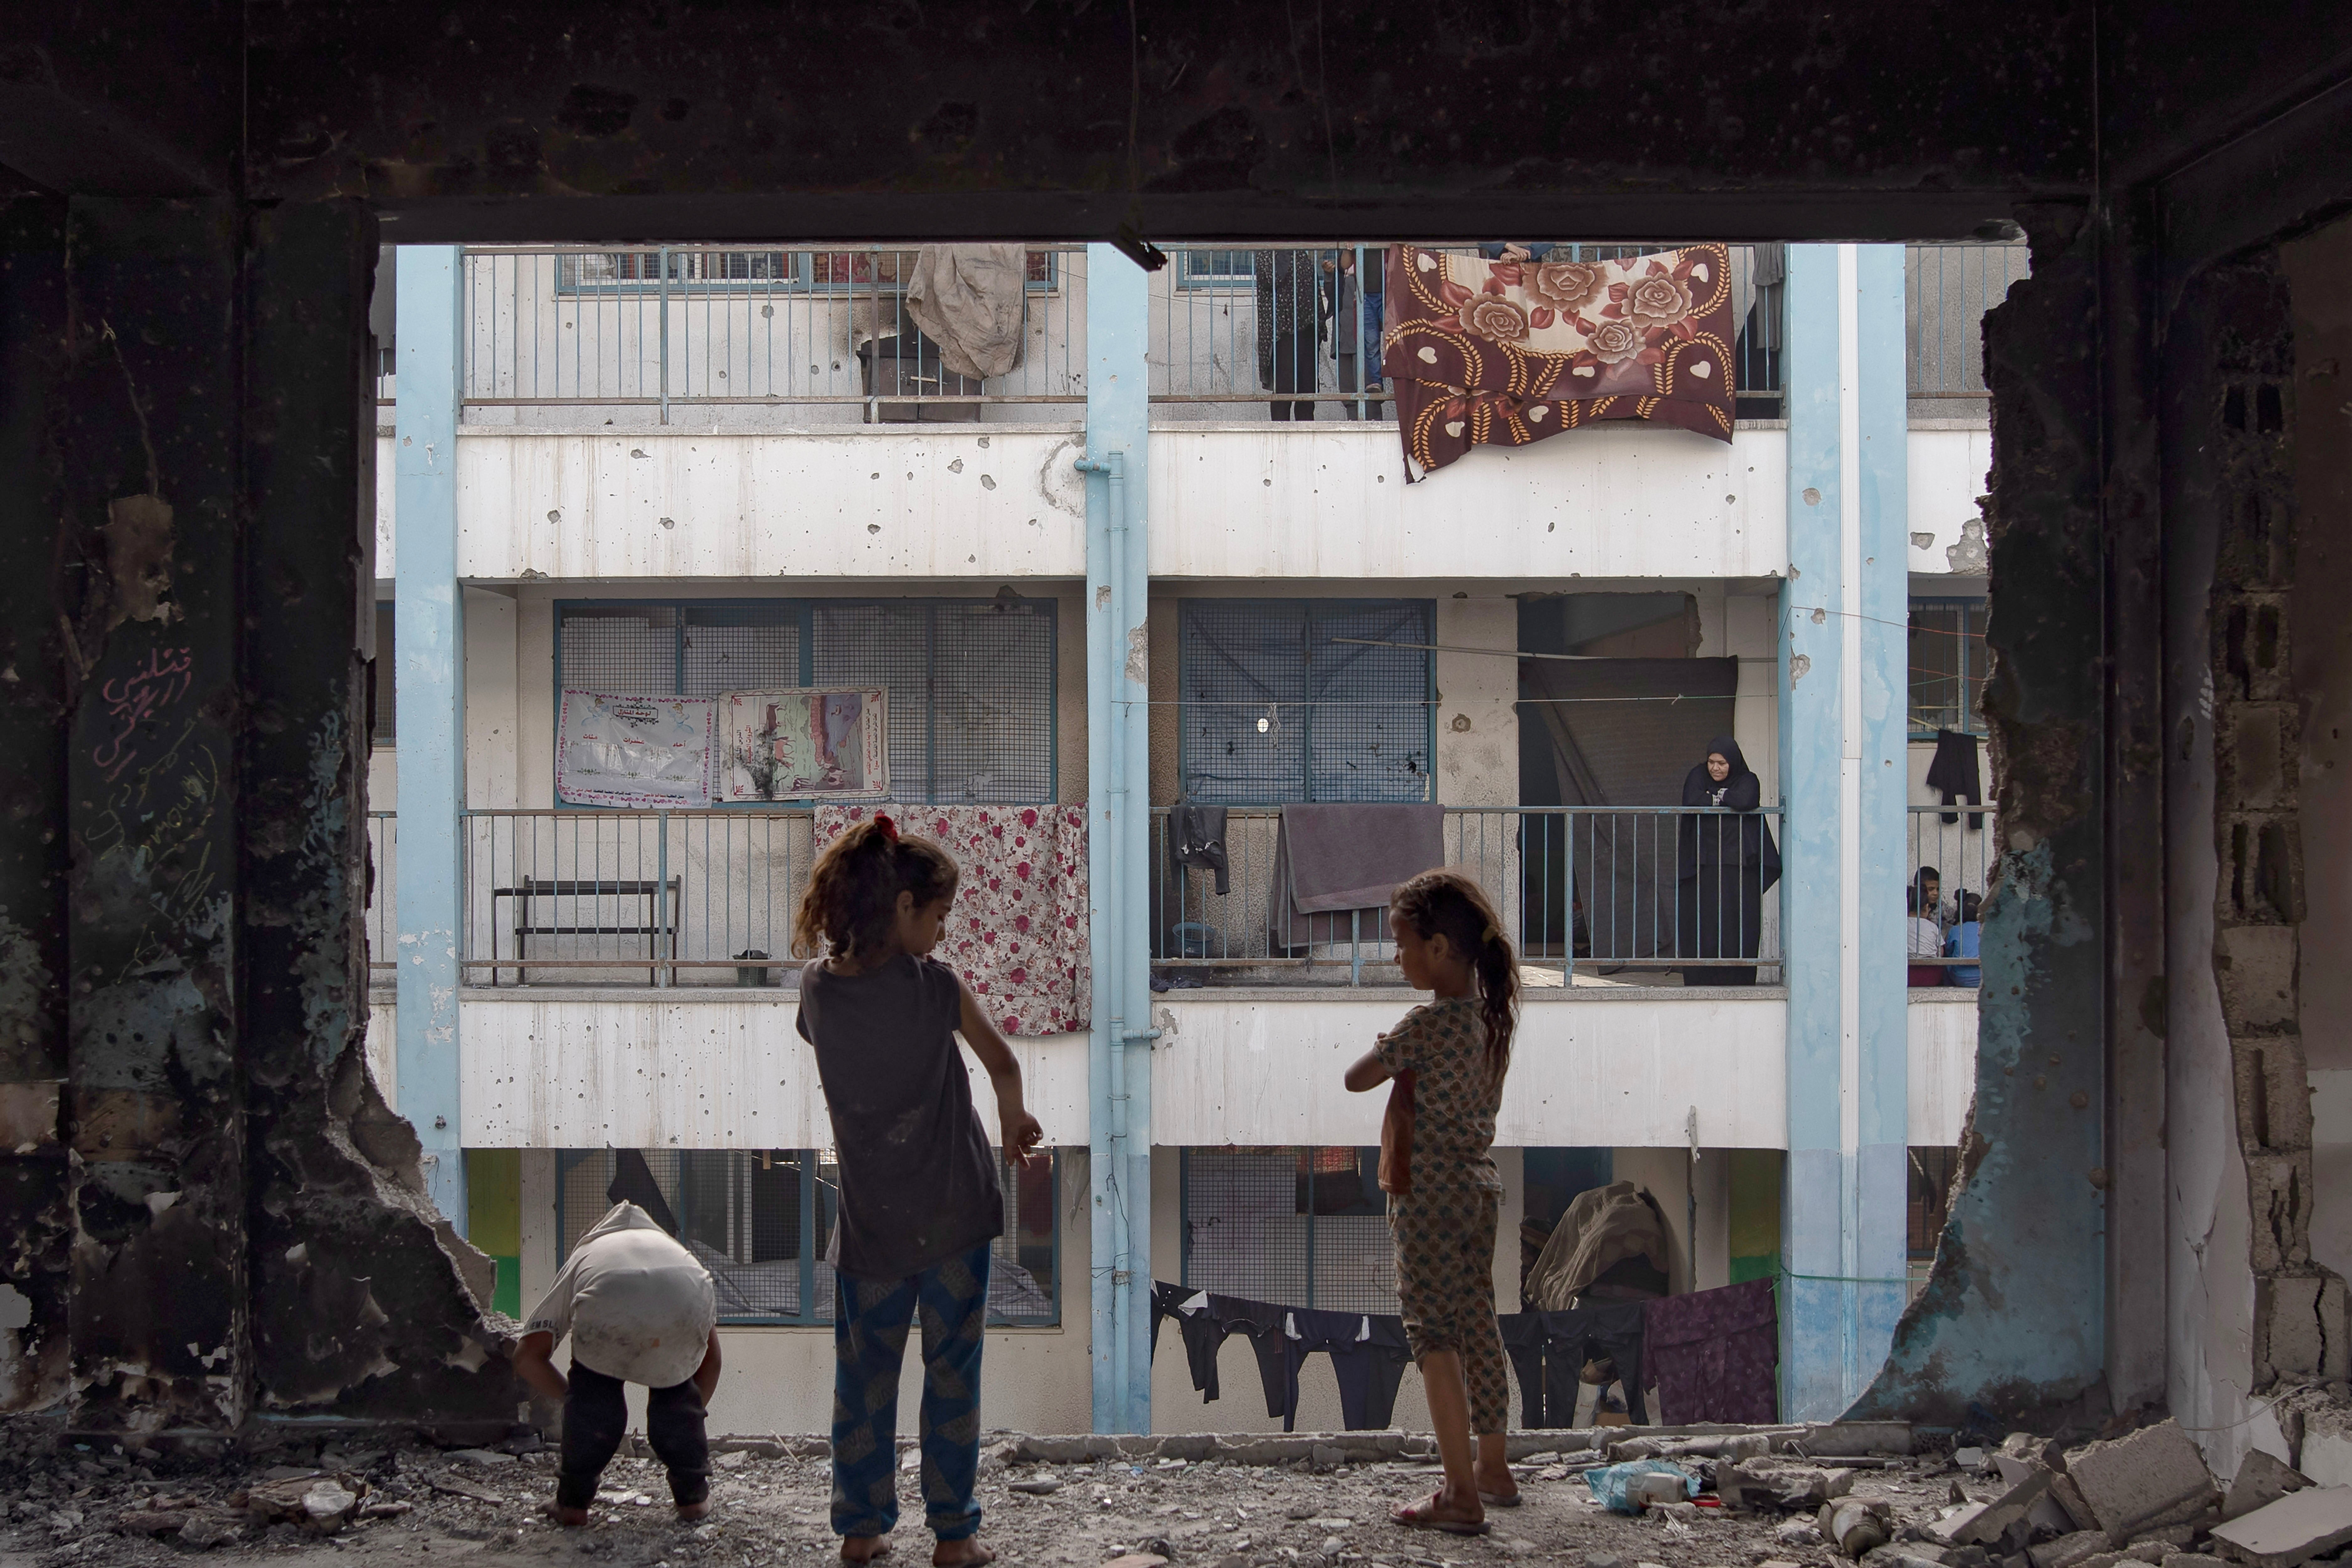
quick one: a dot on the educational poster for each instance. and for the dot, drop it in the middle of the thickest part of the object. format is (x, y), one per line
(802, 743)
(635, 751)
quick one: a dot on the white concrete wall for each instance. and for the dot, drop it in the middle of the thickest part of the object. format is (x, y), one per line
(716, 1069)
(1951, 466)
(780, 1380)
(1589, 1068)
(1477, 699)
(1330, 501)
(1943, 1077)
(1671, 1176)
(1258, 501)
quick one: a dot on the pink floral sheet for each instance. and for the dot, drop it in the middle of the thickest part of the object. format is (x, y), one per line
(1508, 352)
(1017, 932)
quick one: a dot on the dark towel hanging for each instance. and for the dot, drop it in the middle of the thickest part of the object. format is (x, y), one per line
(1956, 773)
(1196, 838)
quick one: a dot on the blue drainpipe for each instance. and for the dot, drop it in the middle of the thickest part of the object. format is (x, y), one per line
(1118, 823)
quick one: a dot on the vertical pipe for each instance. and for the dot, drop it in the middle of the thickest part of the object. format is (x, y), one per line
(665, 334)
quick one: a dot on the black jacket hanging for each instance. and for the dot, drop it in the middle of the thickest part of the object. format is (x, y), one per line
(1956, 773)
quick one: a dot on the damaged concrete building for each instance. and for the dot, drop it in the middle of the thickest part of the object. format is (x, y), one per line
(222, 1217)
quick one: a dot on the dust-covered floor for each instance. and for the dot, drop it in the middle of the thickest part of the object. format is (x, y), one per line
(404, 1504)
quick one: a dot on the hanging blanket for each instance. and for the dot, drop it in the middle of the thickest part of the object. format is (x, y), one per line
(1017, 932)
(1507, 352)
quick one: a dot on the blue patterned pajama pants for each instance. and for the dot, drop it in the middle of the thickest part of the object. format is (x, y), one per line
(870, 1318)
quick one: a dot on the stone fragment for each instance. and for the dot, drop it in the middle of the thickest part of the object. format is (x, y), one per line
(1970, 1458)
(2070, 1497)
(1137, 1560)
(2069, 1551)
(1333, 1546)
(1042, 1486)
(2262, 1479)
(1793, 1533)
(1960, 1519)
(2144, 1479)
(1325, 1455)
(2190, 1560)
(205, 1532)
(327, 1507)
(2295, 1529)
(1854, 1525)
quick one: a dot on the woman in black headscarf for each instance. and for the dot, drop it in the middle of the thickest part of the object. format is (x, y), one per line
(1722, 866)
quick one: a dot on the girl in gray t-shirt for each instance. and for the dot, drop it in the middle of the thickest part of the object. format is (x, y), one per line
(920, 1200)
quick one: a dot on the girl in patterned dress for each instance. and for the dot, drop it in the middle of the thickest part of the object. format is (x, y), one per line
(1449, 1056)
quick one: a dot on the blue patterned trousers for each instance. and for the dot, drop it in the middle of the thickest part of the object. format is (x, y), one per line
(869, 1343)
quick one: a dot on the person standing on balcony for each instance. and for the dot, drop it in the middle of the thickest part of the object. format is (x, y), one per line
(1447, 1060)
(920, 1200)
(1289, 310)
(1722, 867)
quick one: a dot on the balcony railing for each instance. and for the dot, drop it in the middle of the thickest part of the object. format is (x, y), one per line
(1961, 845)
(825, 333)
(1208, 361)
(1947, 289)
(382, 918)
(1587, 895)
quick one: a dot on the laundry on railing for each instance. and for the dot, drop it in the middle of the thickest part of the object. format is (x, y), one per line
(1333, 862)
(1367, 1350)
(1017, 932)
(1551, 1351)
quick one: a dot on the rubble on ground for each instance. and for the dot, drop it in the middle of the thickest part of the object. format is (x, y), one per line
(1873, 1495)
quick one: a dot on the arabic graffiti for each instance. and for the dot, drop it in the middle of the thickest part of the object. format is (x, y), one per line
(134, 699)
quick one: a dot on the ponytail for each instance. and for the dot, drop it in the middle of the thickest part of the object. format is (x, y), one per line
(1447, 903)
(853, 891)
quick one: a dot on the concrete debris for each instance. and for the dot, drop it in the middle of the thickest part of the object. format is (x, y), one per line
(2068, 1550)
(2262, 1479)
(1969, 1458)
(2295, 1529)
(1854, 1525)
(1798, 1532)
(2153, 1477)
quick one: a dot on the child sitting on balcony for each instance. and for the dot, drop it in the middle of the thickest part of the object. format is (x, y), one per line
(919, 1201)
(1448, 1057)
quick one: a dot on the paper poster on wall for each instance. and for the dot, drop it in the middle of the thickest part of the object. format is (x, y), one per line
(613, 749)
(802, 742)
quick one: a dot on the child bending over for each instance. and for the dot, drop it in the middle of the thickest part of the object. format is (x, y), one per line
(1443, 1189)
(919, 1201)
(639, 1309)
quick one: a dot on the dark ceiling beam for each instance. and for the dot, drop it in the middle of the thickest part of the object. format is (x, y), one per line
(75, 149)
(1215, 218)
(2286, 174)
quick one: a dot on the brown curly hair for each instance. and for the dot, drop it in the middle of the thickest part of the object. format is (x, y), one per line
(853, 893)
(1448, 904)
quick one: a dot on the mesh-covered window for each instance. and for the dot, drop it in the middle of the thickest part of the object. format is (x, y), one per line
(1947, 666)
(1295, 1226)
(760, 1222)
(970, 683)
(1313, 700)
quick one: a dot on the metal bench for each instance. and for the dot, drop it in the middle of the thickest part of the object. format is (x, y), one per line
(661, 921)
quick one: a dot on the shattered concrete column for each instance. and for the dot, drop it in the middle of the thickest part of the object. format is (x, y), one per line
(145, 426)
(35, 1217)
(1843, 790)
(427, 641)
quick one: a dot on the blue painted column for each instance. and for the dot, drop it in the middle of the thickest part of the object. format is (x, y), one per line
(1118, 841)
(1845, 687)
(429, 719)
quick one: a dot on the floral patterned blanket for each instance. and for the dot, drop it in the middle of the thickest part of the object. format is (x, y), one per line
(1017, 932)
(1507, 352)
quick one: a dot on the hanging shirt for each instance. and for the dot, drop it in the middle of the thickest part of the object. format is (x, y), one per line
(636, 1304)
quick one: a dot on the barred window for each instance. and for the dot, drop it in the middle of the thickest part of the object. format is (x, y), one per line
(1947, 666)
(971, 681)
(1285, 700)
(1295, 1226)
(760, 1222)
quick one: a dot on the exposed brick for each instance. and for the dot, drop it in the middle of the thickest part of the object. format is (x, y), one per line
(2255, 965)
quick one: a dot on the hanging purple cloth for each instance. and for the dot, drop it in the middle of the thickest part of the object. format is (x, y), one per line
(1714, 1355)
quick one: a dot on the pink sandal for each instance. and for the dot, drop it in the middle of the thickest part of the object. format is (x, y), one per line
(1424, 1516)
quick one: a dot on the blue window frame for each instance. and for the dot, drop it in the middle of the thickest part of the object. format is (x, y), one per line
(1299, 700)
(1947, 666)
(760, 1221)
(971, 680)
(1214, 268)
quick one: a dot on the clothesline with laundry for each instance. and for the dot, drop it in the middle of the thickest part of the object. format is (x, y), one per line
(1709, 1355)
